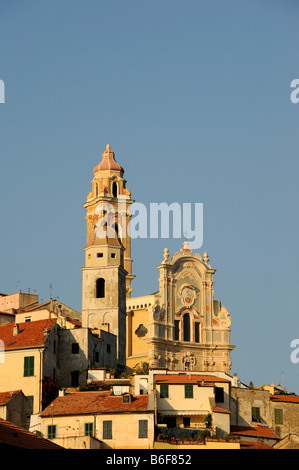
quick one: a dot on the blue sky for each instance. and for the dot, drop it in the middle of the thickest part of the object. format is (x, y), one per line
(194, 99)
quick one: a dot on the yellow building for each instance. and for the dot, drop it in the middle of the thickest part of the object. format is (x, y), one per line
(181, 326)
(100, 420)
(188, 401)
(29, 356)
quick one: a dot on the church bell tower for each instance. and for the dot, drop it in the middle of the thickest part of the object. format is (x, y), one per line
(107, 275)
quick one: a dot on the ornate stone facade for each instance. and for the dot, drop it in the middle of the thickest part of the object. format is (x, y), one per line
(187, 328)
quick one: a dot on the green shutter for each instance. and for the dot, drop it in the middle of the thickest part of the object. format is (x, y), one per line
(88, 429)
(278, 414)
(107, 429)
(255, 414)
(143, 428)
(28, 366)
(188, 391)
(29, 405)
(164, 391)
(52, 431)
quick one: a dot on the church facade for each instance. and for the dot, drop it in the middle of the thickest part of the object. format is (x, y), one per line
(181, 326)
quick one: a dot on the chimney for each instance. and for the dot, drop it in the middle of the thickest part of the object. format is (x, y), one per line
(16, 330)
(235, 381)
(61, 392)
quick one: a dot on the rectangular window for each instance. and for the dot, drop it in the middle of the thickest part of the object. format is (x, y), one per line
(255, 413)
(113, 255)
(100, 255)
(188, 391)
(164, 391)
(75, 348)
(108, 348)
(29, 405)
(28, 366)
(196, 332)
(88, 429)
(52, 431)
(75, 378)
(107, 429)
(143, 428)
(219, 394)
(177, 330)
(278, 416)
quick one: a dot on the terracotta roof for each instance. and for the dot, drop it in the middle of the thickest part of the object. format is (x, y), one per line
(108, 162)
(284, 398)
(14, 436)
(94, 402)
(5, 397)
(253, 431)
(31, 334)
(36, 306)
(217, 409)
(189, 379)
(254, 445)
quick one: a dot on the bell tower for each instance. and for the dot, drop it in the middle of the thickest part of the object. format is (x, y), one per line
(107, 275)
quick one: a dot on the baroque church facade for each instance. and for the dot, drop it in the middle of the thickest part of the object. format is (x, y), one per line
(181, 326)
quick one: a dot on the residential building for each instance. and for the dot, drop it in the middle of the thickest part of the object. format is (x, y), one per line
(258, 408)
(29, 356)
(188, 401)
(13, 407)
(285, 415)
(14, 437)
(50, 347)
(110, 421)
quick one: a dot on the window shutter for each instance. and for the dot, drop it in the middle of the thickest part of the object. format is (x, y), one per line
(29, 405)
(107, 429)
(278, 414)
(164, 391)
(88, 429)
(143, 428)
(28, 366)
(188, 391)
(52, 431)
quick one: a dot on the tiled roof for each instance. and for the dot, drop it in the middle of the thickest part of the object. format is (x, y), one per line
(36, 306)
(78, 403)
(217, 409)
(31, 334)
(285, 398)
(254, 445)
(189, 379)
(14, 436)
(5, 397)
(253, 431)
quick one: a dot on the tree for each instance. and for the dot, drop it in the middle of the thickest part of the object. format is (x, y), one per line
(142, 368)
(50, 391)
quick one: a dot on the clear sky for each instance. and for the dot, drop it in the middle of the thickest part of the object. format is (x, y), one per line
(194, 98)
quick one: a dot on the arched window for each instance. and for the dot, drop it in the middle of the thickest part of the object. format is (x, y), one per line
(96, 190)
(100, 288)
(186, 327)
(114, 189)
